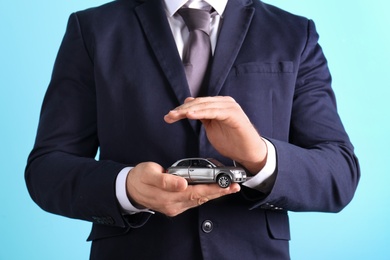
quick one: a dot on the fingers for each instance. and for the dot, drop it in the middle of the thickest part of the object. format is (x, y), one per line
(213, 108)
(200, 194)
(196, 195)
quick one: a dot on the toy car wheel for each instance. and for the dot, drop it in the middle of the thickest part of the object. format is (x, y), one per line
(224, 180)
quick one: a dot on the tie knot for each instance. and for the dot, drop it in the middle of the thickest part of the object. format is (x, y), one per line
(196, 19)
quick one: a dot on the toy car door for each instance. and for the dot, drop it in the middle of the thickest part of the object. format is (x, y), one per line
(201, 171)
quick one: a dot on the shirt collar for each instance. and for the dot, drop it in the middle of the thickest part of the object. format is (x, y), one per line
(174, 5)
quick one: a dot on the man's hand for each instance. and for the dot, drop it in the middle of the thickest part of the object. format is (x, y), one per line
(227, 127)
(149, 187)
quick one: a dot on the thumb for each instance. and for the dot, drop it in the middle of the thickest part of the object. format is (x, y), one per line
(172, 183)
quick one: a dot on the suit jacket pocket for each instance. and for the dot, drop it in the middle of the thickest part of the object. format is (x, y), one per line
(278, 224)
(265, 67)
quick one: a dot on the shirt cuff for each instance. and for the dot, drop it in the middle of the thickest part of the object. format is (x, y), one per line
(264, 180)
(121, 194)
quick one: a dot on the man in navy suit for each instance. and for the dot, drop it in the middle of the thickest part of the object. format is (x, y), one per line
(119, 85)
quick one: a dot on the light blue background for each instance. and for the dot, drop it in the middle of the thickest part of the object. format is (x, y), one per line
(356, 39)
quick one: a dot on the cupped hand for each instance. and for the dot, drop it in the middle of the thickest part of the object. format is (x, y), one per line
(149, 187)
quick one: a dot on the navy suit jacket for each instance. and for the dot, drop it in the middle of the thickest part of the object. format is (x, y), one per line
(118, 72)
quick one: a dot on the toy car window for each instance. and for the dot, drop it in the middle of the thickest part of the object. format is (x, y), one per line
(185, 163)
(204, 164)
(194, 163)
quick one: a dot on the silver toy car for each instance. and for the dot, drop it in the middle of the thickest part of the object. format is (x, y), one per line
(200, 170)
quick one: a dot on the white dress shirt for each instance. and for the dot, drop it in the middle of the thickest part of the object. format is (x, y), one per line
(262, 181)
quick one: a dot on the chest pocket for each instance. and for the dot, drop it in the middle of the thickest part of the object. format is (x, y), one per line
(265, 67)
(265, 91)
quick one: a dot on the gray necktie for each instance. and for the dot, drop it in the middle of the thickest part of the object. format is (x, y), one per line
(196, 56)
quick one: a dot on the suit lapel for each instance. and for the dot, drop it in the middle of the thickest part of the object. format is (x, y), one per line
(237, 18)
(154, 22)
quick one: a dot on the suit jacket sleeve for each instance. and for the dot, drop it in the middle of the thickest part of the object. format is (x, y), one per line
(62, 175)
(317, 169)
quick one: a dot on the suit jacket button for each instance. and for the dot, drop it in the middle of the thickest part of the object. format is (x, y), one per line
(207, 226)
